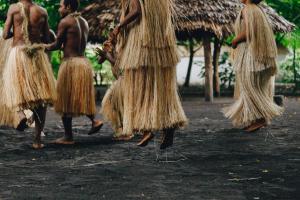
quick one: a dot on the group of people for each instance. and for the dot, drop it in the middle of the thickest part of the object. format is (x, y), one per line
(143, 54)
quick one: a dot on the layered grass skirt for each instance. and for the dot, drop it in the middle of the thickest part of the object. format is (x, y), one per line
(254, 91)
(75, 88)
(151, 100)
(112, 107)
(28, 81)
(7, 116)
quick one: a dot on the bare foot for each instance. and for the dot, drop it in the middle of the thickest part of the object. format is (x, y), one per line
(123, 138)
(245, 128)
(64, 141)
(147, 137)
(96, 127)
(37, 146)
(256, 126)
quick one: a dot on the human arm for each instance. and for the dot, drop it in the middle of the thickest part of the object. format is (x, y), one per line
(46, 31)
(61, 33)
(8, 23)
(133, 15)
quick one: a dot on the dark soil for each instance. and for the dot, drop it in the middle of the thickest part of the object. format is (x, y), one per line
(210, 161)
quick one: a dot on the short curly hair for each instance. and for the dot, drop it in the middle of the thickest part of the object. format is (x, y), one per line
(256, 1)
(74, 4)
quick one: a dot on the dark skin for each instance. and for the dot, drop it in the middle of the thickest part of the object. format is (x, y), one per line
(72, 38)
(38, 33)
(39, 27)
(134, 14)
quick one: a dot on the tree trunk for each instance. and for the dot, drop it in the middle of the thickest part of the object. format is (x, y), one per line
(188, 75)
(294, 66)
(209, 96)
(216, 56)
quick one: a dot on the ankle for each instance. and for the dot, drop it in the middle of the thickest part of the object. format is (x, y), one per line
(37, 140)
(68, 137)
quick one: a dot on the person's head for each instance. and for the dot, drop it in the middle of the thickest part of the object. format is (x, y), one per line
(256, 1)
(68, 6)
(251, 1)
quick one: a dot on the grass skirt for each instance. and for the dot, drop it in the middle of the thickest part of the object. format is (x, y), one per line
(7, 116)
(112, 107)
(254, 92)
(27, 81)
(151, 101)
(75, 88)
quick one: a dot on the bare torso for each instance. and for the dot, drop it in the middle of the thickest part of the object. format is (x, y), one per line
(38, 28)
(76, 36)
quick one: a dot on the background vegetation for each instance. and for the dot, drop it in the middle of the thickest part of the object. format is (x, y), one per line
(290, 68)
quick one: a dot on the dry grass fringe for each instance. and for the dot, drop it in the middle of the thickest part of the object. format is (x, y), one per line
(7, 116)
(113, 106)
(148, 59)
(151, 40)
(27, 82)
(151, 101)
(254, 98)
(28, 79)
(260, 38)
(75, 88)
(254, 89)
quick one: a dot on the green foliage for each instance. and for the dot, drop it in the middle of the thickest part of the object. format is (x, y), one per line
(91, 55)
(287, 70)
(55, 60)
(103, 74)
(290, 68)
(51, 6)
(290, 9)
(226, 71)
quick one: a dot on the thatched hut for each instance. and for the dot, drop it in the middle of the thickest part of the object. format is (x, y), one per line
(195, 19)
(195, 16)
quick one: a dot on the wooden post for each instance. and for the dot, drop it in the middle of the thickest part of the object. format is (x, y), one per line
(209, 96)
(216, 57)
(294, 66)
(192, 52)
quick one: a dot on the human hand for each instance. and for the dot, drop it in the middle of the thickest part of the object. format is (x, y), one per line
(234, 44)
(116, 31)
(101, 55)
(108, 46)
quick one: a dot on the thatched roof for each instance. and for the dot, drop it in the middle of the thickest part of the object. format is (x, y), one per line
(212, 16)
(101, 15)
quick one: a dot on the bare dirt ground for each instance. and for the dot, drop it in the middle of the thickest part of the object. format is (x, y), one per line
(210, 161)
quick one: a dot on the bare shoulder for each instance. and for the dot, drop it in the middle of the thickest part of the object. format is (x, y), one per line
(13, 8)
(84, 21)
(65, 22)
(41, 10)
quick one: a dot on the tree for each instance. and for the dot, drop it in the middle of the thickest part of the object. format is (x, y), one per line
(290, 9)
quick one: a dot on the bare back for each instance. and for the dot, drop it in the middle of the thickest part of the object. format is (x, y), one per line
(38, 28)
(76, 36)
